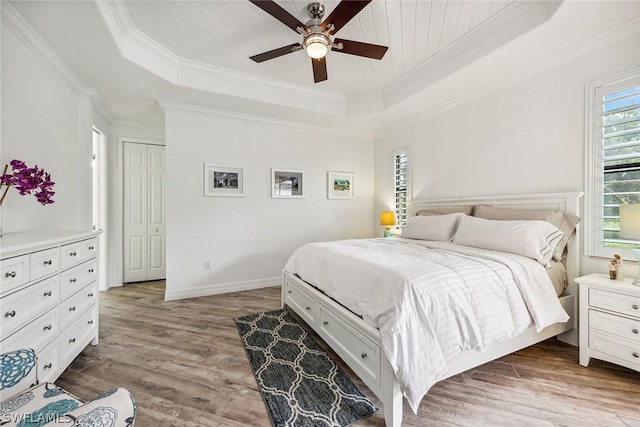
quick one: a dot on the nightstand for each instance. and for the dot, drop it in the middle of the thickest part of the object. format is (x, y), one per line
(609, 320)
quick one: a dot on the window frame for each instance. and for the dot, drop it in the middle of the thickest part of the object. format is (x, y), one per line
(396, 153)
(594, 162)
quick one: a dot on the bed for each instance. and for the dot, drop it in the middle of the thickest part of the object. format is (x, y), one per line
(371, 353)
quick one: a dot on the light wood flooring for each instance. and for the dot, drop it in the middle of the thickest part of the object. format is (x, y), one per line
(184, 363)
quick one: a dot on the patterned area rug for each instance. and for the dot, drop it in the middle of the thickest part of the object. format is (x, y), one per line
(300, 384)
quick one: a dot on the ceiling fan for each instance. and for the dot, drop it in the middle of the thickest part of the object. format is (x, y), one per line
(317, 34)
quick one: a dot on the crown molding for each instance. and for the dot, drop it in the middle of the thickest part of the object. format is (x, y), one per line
(170, 105)
(628, 29)
(148, 54)
(27, 35)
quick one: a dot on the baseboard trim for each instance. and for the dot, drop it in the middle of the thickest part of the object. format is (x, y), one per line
(221, 288)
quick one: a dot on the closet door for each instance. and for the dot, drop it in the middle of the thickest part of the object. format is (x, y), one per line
(144, 221)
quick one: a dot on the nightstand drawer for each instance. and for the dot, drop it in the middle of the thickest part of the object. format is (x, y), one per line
(625, 350)
(622, 327)
(613, 301)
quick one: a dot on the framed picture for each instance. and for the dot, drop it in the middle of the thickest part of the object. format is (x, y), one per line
(287, 183)
(340, 185)
(226, 181)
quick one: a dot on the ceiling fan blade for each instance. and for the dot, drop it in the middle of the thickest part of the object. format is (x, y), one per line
(261, 57)
(319, 69)
(373, 51)
(343, 13)
(280, 14)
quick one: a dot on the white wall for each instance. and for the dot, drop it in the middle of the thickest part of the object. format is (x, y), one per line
(44, 122)
(528, 137)
(249, 239)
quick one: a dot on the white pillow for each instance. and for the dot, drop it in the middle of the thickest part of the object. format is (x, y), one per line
(532, 238)
(433, 227)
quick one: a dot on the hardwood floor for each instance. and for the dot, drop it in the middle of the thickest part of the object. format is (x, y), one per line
(185, 365)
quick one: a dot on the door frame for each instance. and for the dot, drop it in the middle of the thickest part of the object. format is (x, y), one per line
(118, 198)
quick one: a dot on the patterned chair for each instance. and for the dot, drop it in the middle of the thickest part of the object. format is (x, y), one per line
(25, 403)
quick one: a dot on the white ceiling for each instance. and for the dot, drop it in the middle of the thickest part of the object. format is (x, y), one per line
(197, 52)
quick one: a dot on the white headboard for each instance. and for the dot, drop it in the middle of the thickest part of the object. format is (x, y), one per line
(568, 202)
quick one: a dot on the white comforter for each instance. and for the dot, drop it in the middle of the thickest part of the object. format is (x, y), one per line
(430, 300)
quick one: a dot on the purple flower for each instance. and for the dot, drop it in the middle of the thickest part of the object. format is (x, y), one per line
(27, 180)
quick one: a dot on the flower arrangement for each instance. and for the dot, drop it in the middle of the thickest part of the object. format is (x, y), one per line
(27, 180)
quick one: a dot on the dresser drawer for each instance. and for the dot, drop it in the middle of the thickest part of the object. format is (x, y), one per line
(89, 248)
(44, 263)
(622, 327)
(619, 348)
(620, 303)
(301, 302)
(350, 344)
(74, 279)
(14, 272)
(75, 305)
(35, 335)
(25, 305)
(49, 362)
(70, 254)
(76, 337)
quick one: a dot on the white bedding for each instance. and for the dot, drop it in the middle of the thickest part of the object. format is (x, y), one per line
(430, 300)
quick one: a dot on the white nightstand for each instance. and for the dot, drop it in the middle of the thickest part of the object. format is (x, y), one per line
(609, 320)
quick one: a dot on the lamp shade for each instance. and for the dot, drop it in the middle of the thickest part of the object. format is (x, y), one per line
(388, 218)
(630, 222)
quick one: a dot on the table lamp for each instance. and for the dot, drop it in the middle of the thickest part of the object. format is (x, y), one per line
(387, 219)
(630, 229)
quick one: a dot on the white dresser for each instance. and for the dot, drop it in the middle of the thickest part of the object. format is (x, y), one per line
(49, 296)
(609, 320)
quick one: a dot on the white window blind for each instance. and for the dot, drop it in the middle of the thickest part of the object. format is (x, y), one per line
(400, 192)
(620, 129)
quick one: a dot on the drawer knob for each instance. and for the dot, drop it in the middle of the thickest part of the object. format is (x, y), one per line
(325, 323)
(72, 340)
(90, 248)
(47, 366)
(72, 280)
(72, 308)
(635, 306)
(48, 294)
(288, 292)
(90, 295)
(48, 262)
(363, 355)
(308, 308)
(635, 331)
(73, 253)
(636, 354)
(90, 322)
(10, 274)
(47, 328)
(11, 313)
(91, 270)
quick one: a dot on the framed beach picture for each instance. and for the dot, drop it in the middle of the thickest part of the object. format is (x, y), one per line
(226, 181)
(340, 185)
(287, 183)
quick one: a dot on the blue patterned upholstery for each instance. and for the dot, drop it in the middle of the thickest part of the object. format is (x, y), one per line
(25, 404)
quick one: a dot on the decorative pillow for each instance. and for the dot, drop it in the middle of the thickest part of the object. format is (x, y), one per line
(432, 227)
(564, 221)
(467, 210)
(531, 238)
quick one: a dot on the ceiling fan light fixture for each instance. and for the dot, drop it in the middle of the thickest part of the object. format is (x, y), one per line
(316, 45)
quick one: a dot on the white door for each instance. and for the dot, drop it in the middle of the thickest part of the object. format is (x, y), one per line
(144, 223)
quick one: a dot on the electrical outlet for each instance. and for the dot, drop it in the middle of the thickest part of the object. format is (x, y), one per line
(207, 265)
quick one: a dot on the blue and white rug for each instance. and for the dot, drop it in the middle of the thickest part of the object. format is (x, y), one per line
(300, 384)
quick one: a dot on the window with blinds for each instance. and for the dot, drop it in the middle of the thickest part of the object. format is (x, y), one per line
(621, 159)
(400, 190)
